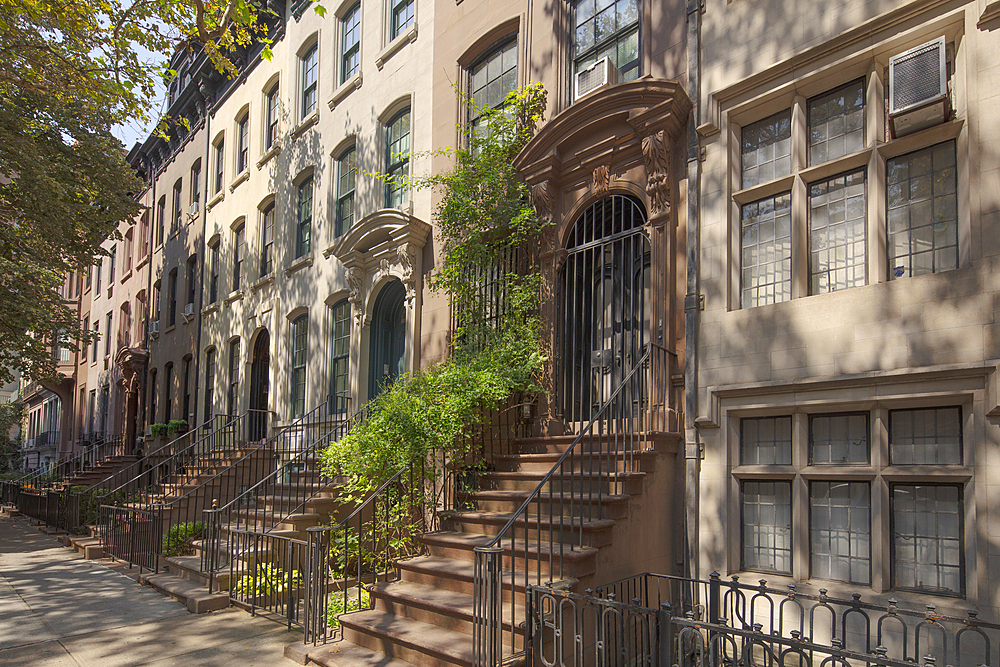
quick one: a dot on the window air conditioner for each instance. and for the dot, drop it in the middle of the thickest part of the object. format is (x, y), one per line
(602, 73)
(193, 210)
(154, 329)
(918, 88)
(188, 311)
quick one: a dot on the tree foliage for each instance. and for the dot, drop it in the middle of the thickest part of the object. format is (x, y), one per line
(69, 71)
(484, 218)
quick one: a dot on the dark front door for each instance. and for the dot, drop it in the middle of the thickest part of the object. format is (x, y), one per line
(260, 384)
(605, 306)
(388, 338)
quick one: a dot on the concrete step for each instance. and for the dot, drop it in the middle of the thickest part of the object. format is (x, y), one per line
(90, 547)
(576, 483)
(644, 461)
(566, 560)
(341, 654)
(422, 644)
(189, 568)
(194, 596)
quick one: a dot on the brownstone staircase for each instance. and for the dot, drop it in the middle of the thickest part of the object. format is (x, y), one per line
(425, 616)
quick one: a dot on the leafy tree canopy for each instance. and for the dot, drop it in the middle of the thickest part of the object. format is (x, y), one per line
(69, 71)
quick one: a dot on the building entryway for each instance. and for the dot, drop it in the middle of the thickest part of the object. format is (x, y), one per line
(260, 385)
(604, 318)
(387, 349)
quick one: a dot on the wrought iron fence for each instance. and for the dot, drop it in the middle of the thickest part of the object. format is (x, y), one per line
(659, 620)
(267, 574)
(547, 532)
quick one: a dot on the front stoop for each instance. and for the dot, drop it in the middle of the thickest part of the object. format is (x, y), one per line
(340, 654)
(191, 594)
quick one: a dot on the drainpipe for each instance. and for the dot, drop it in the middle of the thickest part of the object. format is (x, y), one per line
(203, 213)
(141, 422)
(692, 447)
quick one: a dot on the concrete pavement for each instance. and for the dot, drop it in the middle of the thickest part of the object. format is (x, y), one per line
(59, 610)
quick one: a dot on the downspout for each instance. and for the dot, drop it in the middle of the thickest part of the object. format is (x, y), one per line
(692, 447)
(203, 212)
(149, 300)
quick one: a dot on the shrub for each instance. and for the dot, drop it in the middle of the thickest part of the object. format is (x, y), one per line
(175, 426)
(267, 579)
(177, 541)
(157, 430)
(356, 599)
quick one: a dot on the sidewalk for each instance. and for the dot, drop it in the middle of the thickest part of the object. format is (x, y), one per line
(58, 610)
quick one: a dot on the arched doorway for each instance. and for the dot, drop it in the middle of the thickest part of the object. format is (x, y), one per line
(387, 349)
(260, 384)
(604, 319)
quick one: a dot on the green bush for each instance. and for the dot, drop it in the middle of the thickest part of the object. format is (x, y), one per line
(177, 541)
(175, 426)
(157, 430)
(267, 579)
(357, 598)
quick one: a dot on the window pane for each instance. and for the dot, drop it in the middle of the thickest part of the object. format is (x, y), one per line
(606, 28)
(767, 251)
(836, 123)
(766, 149)
(310, 62)
(347, 171)
(766, 441)
(927, 538)
(397, 160)
(299, 350)
(931, 436)
(267, 241)
(837, 236)
(840, 531)
(492, 79)
(922, 211)
(402, 16)
(839, 439)
(341, 352)
(767, 526)
(351, 53)
(303, 235)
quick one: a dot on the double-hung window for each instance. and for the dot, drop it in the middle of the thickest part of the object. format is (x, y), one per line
(161, 219)
(213, 280)
(239, 251)
(220, 166)
(267, 240)
(271, 118)
(607, 29)
(397, 159)
(350, 51)
(491, 79)
(402, 17)
(172, 298)
(300, 341)
(303, 227)
(309, 65)
(829, 466)
(177, 206)
(346, 175)
(243, 143)
(341, 350)
(209, 384)
(232, 402)
(816, 184)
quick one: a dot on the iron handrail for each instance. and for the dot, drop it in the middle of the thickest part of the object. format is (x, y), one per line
(579, 438)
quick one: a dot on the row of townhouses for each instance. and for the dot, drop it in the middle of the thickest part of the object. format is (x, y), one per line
(790, 202)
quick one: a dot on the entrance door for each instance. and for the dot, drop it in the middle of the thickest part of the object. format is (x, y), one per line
(260, 385)
(387, 348)
(605, 308)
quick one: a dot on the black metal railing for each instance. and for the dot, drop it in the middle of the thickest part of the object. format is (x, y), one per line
(180, 503)
(662, 621)
(283, 491)
(548, 531)
(268, 575)
(364, 547)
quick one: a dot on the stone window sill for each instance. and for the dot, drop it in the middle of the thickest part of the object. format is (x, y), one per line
(210, 308)
(219, 196)
(306, 123)
(395, 45)
(268, 279)
(235, 295)
(344, 90)
(266, 157)
(244, 175)
(301, 262)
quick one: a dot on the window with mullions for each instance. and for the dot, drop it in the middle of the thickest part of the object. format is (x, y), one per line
(177, 206)
(397, 159)
(839, 439)
(220, 166)
(767, 526)
(402, 17)
(300, 338)
(350, 52)
(209, 384)
(491, 79)
(168, 392)
(309, 65)
(766, 245)
(837, 123)
(267, 240)
(766, 441)
(837, 238)
(922, 211)
(840, 531)
(766, 149)
(152, 396)
(346, 176)
(172, 298)
(926, 436)
(341, 349)
(213, 280)
(607, 29)
(927, 538)
(232, 403)
(303, 226)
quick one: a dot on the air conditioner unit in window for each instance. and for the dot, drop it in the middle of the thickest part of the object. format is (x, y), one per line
(154, 329)
(602, 73)
(918, 88)
(193, 210)
(188, 312)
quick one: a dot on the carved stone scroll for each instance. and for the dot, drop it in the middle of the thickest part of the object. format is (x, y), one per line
(654, 150)
(541, 197)
(602, 179)
(356, 285)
